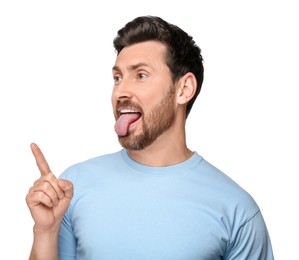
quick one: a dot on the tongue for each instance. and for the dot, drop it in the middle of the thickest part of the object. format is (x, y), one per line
(123, 123)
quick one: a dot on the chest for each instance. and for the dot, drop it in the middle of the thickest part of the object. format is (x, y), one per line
(128, 224)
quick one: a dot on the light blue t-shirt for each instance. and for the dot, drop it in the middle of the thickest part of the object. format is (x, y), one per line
(123, 210)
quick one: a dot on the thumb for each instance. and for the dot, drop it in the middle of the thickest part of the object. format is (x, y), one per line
(67, 187)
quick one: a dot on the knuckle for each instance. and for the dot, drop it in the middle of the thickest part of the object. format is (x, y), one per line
(45, 185)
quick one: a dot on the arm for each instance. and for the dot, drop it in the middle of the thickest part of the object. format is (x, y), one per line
(47, 200)
(45, 245)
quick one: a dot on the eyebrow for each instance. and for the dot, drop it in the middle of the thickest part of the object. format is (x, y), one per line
(132, 67)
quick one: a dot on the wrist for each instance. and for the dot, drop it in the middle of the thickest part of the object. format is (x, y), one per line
(45, 244)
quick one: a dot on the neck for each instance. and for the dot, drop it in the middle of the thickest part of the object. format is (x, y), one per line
(168, 149)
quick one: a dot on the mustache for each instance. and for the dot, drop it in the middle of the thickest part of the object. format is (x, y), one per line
(128, 103)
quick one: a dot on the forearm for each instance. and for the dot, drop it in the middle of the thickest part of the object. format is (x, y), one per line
(45, 245)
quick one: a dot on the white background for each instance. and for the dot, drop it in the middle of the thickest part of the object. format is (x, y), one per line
(56, 81)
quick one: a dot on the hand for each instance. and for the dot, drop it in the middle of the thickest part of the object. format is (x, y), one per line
(49, 197)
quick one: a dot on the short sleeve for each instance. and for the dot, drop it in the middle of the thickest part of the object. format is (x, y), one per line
(251, 241)
(67, 240)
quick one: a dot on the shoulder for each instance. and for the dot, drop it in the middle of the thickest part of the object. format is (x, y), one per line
(223, 190)
(91, 166)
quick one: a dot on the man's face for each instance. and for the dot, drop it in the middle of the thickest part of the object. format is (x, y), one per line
(143, 96)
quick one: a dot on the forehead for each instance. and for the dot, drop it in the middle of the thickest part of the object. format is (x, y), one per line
(151, 53)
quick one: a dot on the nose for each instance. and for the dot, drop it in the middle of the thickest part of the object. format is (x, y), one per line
(122, 90)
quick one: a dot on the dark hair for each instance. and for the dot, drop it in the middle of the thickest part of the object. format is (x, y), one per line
(183, 55)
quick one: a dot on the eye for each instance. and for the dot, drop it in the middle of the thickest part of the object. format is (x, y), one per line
(142, 76)
(117, 78)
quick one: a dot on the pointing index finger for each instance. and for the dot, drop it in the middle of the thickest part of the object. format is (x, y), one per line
(41, 162)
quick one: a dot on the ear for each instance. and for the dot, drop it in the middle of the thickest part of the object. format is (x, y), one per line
(186, 88)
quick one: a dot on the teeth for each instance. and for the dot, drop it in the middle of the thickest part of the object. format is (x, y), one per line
(123, 111)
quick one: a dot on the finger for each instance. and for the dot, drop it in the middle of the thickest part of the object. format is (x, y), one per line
(67, 187)
(41, 162)
(51, 180)
(35, 198)
(47, 189)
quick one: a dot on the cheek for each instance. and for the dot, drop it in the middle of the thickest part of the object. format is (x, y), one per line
(113, 99)
(149, 99)
(113, 105)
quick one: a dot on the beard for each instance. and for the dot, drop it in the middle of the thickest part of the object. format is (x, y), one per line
(155, 123)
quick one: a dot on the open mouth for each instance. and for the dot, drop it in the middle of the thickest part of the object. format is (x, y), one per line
(126, 118)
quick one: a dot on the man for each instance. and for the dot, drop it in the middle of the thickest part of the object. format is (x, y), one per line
(155, 198)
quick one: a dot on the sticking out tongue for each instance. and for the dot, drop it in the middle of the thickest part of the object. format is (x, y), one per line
(123, 123)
